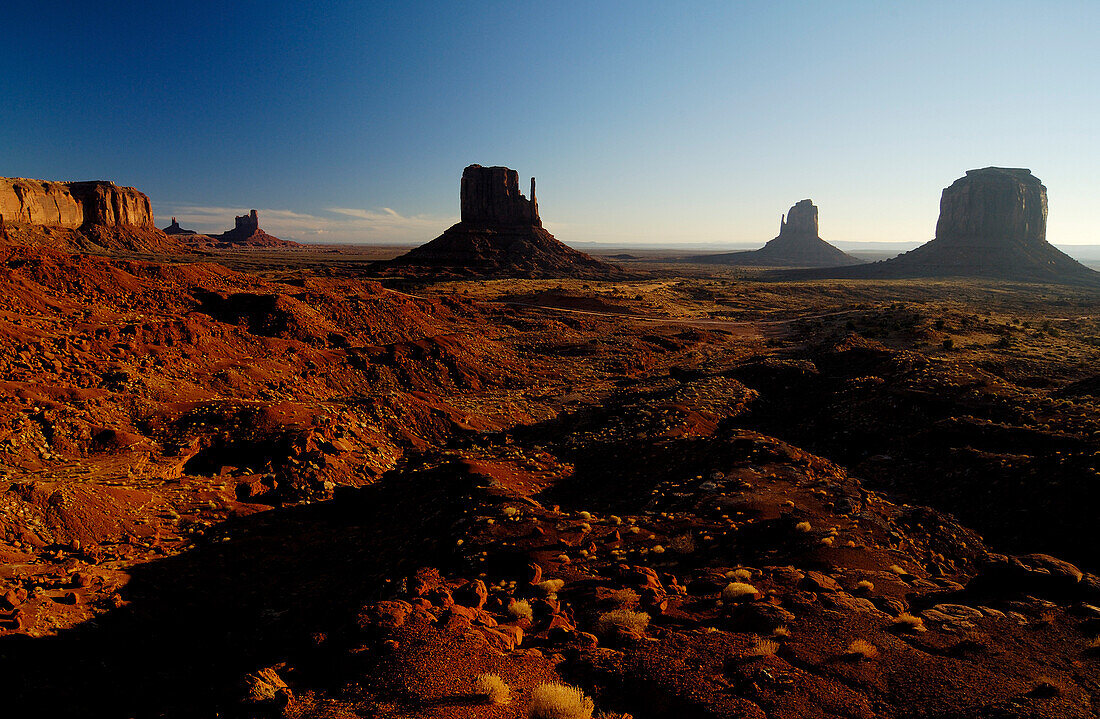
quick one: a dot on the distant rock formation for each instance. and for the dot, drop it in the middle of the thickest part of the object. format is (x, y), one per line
(797, 245)
(80, 216)
(73, 204)
(246, 233)
(500, 235)
(175, 229)
(993, 223)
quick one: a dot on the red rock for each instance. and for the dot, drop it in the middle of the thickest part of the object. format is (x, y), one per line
(424, 580)
(639, 576)
(472, 594)
(386, 615)
(818, 582)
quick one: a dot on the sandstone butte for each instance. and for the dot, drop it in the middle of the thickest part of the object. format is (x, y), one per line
(500, 234)
(246, 234)
(79, 216)
(798, 244)
(992, 224)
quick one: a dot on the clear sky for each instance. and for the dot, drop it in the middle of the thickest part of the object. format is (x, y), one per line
(643, 121)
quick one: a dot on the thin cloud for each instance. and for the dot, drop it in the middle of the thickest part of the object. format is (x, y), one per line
(331, 224)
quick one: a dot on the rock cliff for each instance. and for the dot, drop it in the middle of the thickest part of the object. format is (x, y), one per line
(491, 196)
(500, 235)
(999, 204)
(993, 223)
(73, 204)
(796, 245)
(93, 216)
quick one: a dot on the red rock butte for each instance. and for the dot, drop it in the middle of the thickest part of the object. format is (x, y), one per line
(992, 224)
(797, 245)
(500, 235)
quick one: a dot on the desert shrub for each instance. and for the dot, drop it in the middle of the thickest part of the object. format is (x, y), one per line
(764, 648)
(907, 622)
(737, 590)
(803, 526)
(551, 586)
(624, 597)
(586, 516)
(510, 511)
(739, 575)
(559, 701)
(862, 649)
(633, 622)
(521, 609)
(865, 585)
(781, 632)
(493, 688)
(682, 544)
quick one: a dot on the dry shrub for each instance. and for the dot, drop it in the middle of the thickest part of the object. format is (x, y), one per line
(634, 622)
(862, 649)
(521, 609)
(493, 688)
(624, 597)
(764, 648)
(551, 586)
(738, 590)
(739, 575)
(803, 526)
(865, 585)
(906, 622)
(559, 701)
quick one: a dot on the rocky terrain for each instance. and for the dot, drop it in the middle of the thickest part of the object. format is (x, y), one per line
(797, 245)
(992, 224)
(262, 485)
(500, 235)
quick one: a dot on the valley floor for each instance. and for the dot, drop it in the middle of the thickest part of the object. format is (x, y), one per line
(265, 484)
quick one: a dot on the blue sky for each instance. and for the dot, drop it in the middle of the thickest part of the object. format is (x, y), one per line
(643, 121)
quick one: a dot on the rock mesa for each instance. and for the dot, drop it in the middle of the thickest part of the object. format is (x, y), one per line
(73, 204)
(992, 223)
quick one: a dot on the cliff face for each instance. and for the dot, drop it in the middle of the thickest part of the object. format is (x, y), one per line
(73, 204)
(994, 203)
(800, 220)
(491, 196)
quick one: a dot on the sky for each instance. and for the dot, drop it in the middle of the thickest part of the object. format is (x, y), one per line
(644, 122)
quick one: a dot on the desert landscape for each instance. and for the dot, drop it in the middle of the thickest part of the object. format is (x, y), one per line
(312, 408)
(259, 480)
